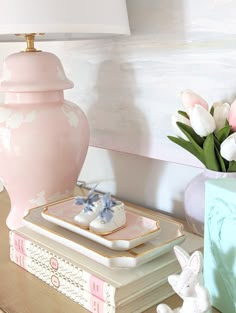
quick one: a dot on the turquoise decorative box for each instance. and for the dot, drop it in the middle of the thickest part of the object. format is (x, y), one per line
(220, 243)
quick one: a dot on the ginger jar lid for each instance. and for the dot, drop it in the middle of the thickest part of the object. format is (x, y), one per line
(33, 72)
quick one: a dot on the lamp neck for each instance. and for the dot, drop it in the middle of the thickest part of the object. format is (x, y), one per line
(30, 38)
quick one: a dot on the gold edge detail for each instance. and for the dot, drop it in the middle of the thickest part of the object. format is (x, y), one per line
(79, 244)
(155, 215)
(148, 233)
(134, 255)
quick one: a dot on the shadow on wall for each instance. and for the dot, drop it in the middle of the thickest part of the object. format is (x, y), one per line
(116, 117)
(137, 178)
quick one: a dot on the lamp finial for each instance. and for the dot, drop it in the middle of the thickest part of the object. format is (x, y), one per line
(30, 43)
(30, 38)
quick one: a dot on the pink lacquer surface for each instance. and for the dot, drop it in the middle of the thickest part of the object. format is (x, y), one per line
(136, 225)
(43, 138)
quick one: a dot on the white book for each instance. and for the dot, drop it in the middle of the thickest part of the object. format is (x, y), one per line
(114, 286)
(93, 304)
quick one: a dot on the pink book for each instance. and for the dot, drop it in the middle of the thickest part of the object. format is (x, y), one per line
(77, 294)
(138, 304)
(63, 267)
(113, 286)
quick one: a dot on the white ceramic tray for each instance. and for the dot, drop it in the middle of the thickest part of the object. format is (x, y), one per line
(171, 234)
(138, 229)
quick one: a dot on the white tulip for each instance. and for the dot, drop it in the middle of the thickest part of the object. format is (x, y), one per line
(179, 118)
(228, 148)
(202, 121)
(221, 114)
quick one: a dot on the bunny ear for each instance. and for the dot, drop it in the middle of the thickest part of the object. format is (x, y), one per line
(195, 262)
(182, 256)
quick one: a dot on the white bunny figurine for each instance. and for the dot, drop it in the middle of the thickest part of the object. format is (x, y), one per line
(188, 285)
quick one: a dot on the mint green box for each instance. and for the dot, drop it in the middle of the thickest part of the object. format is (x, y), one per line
(220, 243)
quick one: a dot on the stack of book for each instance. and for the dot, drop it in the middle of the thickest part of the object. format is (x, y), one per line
(93, 285)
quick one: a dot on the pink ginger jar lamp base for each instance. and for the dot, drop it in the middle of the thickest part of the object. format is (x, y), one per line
(43, 138)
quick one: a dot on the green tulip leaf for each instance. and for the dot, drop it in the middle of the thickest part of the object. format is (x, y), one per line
(221, 160)
(189, 147)
(183, 113)
(212, 110)
(232, 166)
(209, 154)
(192, 136)
(217, 143)
(223, 133)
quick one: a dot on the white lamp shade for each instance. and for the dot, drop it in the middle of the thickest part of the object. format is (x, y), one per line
(62, 19)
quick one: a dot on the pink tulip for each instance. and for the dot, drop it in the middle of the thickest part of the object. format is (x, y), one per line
(232, 115)
(190, 99)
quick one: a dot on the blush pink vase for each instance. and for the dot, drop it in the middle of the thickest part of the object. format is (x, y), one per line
(194, 199)
(43, 138)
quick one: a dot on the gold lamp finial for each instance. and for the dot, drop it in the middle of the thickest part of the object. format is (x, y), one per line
(30, 43)
(30, 38)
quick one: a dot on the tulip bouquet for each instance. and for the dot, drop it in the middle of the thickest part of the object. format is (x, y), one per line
(208, 133)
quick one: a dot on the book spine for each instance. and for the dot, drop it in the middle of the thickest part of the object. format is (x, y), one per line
(77, 294)
(67, 269)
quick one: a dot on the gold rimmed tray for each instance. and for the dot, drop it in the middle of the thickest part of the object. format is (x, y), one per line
(137, 230)
(171, 234)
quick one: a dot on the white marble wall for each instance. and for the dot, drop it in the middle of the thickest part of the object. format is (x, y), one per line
(129, 87)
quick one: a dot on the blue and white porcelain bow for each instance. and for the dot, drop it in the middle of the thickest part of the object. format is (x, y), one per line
(107, 213)
(88, 201)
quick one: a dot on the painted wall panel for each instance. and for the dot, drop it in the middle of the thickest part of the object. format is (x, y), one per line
(130, 86)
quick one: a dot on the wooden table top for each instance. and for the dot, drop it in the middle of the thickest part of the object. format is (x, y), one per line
(21, 292)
